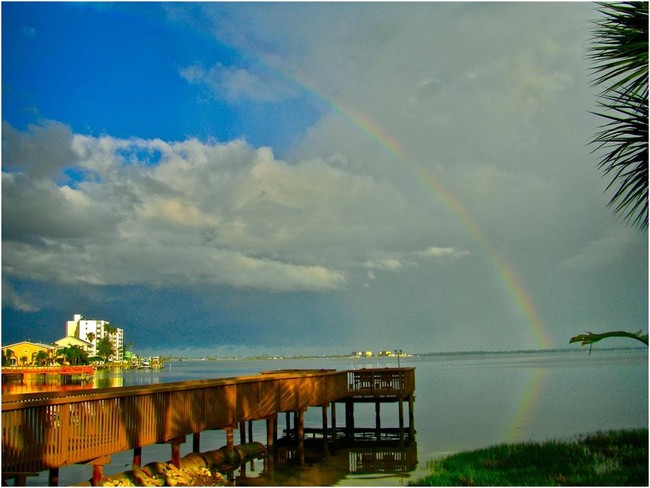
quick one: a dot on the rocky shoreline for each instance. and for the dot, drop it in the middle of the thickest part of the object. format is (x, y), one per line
(196, 469)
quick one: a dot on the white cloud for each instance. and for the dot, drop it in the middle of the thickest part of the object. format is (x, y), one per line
(166, 214)
(394, 261)
(236, 84)
(442, 253)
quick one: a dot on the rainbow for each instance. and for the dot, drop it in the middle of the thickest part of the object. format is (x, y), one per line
(392, 146)
(506, 274)
(526, 408)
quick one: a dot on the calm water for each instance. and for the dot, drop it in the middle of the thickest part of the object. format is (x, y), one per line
(462, 402)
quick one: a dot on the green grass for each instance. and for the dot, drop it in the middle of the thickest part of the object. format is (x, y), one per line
(617, 458)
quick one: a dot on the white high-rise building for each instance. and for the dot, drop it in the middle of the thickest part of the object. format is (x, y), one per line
(94, 330)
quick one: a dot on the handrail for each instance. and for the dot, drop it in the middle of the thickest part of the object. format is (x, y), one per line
(71, 396)
(53, 429)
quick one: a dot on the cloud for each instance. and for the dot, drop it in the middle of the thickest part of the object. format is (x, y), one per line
(155, 213)
(11, 298)
(442, 253)
(42, 151)
(603, 250)
(394, 261)
(236, 84)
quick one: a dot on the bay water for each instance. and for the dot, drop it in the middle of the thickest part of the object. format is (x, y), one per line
(463, 401)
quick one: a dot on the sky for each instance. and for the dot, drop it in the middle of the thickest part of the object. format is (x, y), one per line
(309, 178)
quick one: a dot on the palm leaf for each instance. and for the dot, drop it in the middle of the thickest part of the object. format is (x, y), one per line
(620, 56)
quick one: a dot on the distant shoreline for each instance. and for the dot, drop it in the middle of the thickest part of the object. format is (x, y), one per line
(403, 356)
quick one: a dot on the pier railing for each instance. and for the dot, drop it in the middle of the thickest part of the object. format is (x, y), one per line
(381, 382)
(42, 431)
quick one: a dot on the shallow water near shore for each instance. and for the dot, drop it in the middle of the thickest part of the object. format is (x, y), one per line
(463, 401)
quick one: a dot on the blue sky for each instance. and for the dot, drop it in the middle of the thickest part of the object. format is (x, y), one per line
(244, 178)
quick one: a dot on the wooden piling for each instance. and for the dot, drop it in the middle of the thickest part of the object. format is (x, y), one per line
(377, 419)
(53, 477)
(176, 452)
(196, 442)
(230, 443)
(137, 457)
(242, 432)
(98, 474)
(300, 432)
(325, 430)
(271, 433)
(411, 417)
(349, 418)
(400, 403)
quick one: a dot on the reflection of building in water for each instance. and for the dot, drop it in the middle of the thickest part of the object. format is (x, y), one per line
(111, 381)
(33, 383)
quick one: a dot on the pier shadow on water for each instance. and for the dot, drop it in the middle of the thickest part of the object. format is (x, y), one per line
(361, 463)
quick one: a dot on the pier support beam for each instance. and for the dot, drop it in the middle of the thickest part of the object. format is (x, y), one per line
(400, 403)
(230, 443)
(98, 474)
(300, 432)
(196, 442)
(271, 434)
(349, 418)
(378, 419)
(325, 430)
(411, 418)
(242, 432)
(53, 477)
(176, 450)
(137, 457)
(98, 468)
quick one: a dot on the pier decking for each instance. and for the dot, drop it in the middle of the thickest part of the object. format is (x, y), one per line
(45, 431)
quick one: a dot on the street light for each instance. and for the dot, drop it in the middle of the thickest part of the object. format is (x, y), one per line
(398, 352)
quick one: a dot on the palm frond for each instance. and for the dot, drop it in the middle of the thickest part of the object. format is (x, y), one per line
(620, 56)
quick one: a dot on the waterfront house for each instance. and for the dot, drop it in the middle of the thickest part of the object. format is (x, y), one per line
(24, 353)
(68, 341)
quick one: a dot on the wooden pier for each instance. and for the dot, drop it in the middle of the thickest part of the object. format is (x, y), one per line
(46, 431)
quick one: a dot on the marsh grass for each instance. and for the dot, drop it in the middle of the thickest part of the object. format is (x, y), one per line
(615, 458)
